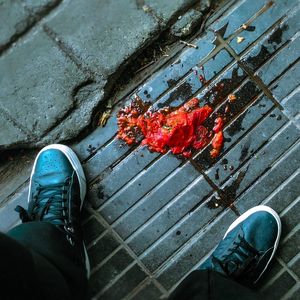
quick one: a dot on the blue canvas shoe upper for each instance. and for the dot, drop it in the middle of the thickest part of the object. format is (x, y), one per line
(54, 194)
(247, 247)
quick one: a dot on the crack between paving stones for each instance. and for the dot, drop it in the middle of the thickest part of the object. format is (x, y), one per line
(116, 79)
(74, 106)
(68, 51)
(17, 191)
(22, 128)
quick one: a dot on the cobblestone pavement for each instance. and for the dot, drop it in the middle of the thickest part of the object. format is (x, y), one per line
(151, 219)
(61, 59)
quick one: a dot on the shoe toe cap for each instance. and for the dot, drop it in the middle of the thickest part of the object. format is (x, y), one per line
(53, 162)
(261, 230)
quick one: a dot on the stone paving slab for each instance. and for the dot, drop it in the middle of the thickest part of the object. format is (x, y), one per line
(16, 20)
(41, 6)
(98, 40)
(61, 60)
(151, 219)
(51, 75)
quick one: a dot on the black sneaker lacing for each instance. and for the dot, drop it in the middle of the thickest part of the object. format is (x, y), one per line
(241, 257)
(47, 199)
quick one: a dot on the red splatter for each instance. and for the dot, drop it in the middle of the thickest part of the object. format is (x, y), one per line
(180, 130)
(218, 125)
(218, 139)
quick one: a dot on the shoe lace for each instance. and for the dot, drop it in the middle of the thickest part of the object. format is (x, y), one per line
(50, 197)
(240, 258)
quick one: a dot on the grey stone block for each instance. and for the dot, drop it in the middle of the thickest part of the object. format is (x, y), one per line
(125, 284)
(149, 292)
(138, 187)
(194, 251)
(166, 9)
(291, 247)
(237, 15)
(265, 158)
(155, 200)
(280, 62)
(279, 177)
(192, 196)
(12, 134)
(14, 19)
(247, 147)
(280, 286)
(196, 219)
(263, 22)
(41, 6)
(127, 169)
(109, 271)
(15, 173)
(186, 23)
(102, 35)
(167, 77)
(39, 87)
(102, 248)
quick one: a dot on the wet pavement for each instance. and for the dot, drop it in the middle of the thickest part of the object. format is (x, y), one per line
(151, 219)
(59, 70)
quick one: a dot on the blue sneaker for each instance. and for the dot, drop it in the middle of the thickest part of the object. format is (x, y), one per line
(248, 246)
(57, 190)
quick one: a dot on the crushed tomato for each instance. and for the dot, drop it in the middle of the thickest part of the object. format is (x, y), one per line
(181, 130)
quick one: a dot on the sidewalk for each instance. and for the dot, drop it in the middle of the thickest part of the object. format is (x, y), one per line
(150, 219)
(61, 59)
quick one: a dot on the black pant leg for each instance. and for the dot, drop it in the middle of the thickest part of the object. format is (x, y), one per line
(207, 284)
(25, 275)
(50, 246)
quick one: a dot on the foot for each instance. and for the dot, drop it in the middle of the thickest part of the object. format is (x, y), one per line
(57, 190)
(248, 246)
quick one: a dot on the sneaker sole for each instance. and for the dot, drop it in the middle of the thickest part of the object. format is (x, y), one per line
(74, 161)
(251, 211)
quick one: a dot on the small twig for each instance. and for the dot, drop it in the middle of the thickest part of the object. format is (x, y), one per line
(205, 20)
(188, 44)
(145, 66)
